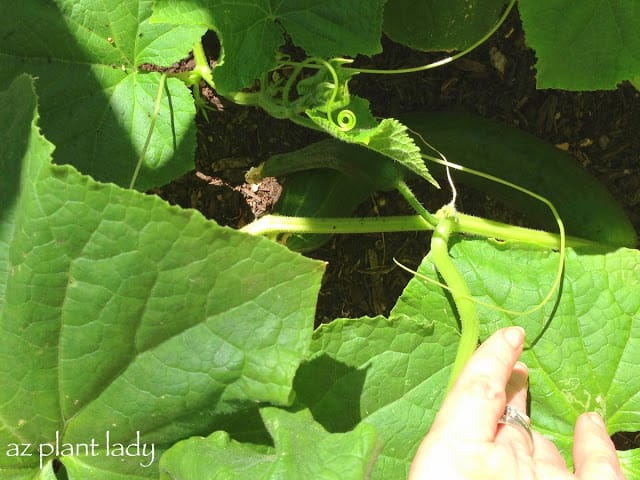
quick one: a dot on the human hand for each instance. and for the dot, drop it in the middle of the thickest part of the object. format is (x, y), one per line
(467, 443)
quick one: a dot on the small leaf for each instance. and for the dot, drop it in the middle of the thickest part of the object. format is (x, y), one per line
(392, 140)
(389, 137)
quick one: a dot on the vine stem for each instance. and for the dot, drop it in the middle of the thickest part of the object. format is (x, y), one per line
(408, 195)
(202, 68)
(275, 224)
(259, 99)
(469, 320)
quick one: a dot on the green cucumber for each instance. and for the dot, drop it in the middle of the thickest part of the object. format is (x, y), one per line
(327, 179)
(586, 207)
(318, 193)
(378, 172)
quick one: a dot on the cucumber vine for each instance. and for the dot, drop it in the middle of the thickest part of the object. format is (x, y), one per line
(444, 223)
(315, 93)
(96, 96)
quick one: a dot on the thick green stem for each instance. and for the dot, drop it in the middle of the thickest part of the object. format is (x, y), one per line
(259, 99)
(246, 98)
(504, 231)
(202, 69)
(469, 320)
(274, 224)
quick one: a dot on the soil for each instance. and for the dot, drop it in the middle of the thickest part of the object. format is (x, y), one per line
(496, 81)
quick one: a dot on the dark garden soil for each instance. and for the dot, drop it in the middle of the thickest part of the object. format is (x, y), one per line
(496, 81)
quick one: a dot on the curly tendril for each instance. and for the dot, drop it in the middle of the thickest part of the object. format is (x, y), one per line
(330, 94)
(346, 120)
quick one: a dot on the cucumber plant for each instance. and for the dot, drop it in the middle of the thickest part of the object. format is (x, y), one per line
(158, 344)
(375, 173)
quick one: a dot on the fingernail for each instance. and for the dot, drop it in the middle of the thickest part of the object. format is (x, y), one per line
(596, 419)
(522, 367)
(514, 336)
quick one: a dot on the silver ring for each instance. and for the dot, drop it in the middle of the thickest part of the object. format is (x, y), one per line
(511, 416)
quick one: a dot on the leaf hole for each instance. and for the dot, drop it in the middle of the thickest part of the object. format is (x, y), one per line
(626, 440)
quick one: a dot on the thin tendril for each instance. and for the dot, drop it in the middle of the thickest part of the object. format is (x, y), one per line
(298, 67)
(548, 203)
(152, 124)
(346, 118)
(452, 185)
(351, 117)
(445, 60)
(495, 308)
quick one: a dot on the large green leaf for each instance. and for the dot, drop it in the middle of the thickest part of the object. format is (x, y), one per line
(388, 373)
(18, 141)
(436, 25)
(303, 449)
(95, 102)
(124, 319)
(252, 31)
(46, 473)
(630, 461)
(585, 45)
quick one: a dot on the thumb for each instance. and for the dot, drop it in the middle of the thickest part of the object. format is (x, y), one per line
(594, 455)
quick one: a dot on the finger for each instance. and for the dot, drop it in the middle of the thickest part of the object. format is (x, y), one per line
(517, 387)
(516, 436)
(594, 454)
(477, 400)
(547, 459)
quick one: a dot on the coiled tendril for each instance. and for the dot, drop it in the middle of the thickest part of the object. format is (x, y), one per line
(346, 120)
(328, 92)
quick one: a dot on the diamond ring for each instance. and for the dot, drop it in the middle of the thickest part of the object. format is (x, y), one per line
(511, 416)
